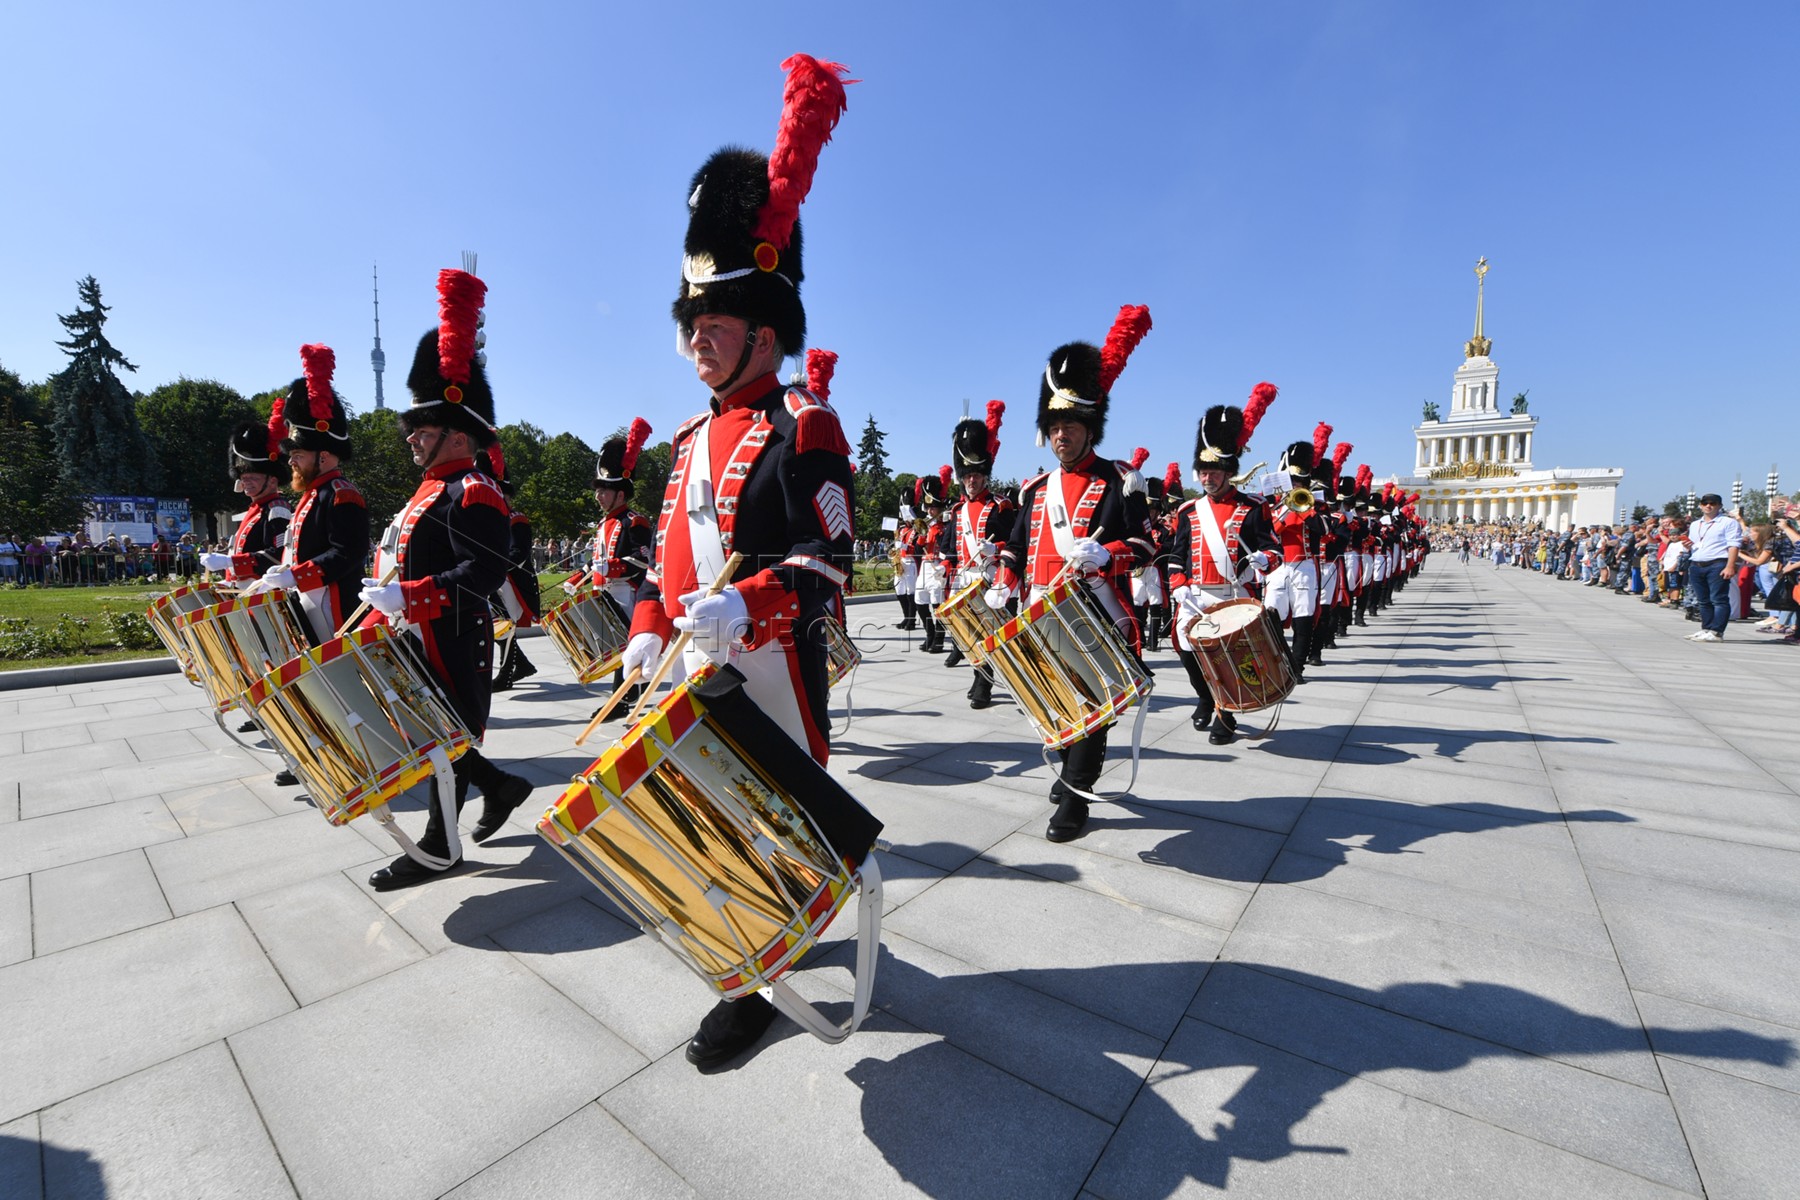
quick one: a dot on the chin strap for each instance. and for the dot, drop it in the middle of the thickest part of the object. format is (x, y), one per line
(724, 389)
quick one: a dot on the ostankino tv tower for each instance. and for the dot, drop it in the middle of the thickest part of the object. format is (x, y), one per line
(376, 358)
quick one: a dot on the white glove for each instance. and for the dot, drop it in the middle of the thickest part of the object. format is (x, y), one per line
(984, 553)
(283, 577)
(215, 562)
(1088, 555)
(715, 621)
(570, 587)
(642, 653)
(997, 597)
(383, 597)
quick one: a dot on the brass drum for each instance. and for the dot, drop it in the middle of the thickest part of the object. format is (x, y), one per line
(970, 621)
(163, 611)
(1067, 665)
(736, 859)
(359, 718)
(590, 630)
(842, 656)
(239, 640)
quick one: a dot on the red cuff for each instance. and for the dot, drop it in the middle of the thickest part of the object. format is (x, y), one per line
(1178, 579)
(375, 617)
(425, 599)
(243, 566)
(578, 578)
(774, 611)
(649, 617)
(308, 577)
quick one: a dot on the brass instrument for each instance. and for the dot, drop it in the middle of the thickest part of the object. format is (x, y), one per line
(1298, 500)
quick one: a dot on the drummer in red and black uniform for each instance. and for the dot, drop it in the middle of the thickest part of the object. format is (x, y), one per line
(449, 550)
(763, 471)
(328, 540)
(932, 576)
(255, 461)
(979, 524)
(623, 540)
(1221, 539)
(1079, 516)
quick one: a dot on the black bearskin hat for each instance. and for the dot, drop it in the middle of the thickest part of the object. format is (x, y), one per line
(742, 253)
(1297, 459)
(617, 462)
(1077, 381)
(448, 380)
(1158, 494)
(1225, 431)
(252, 449)
(932, 489)
(311, 416)
(975, 442)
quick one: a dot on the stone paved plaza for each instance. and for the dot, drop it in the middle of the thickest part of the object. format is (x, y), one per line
(1505, 908)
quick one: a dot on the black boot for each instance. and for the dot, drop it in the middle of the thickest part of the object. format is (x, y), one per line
(981, 692)
(1203, 708)
(1224, 729)
(909, 613)
(501, 793)
(732, 1027)
(407, 871)
(523, 668)
(955, 656)
(1301, 653)
(1081, 769)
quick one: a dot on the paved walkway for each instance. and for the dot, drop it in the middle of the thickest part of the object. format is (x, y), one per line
(1506, 908)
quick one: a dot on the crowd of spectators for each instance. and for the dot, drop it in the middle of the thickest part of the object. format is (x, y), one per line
(80, 561)
(1712, 568)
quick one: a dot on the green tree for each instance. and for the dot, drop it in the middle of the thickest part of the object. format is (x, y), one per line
(95, 427)
(559, 496)
(651, 478)
(381, 466)
(871, 453)
(1640, 513)
(1756, 506)
(523, 445)
(189, 424)
(35, 496)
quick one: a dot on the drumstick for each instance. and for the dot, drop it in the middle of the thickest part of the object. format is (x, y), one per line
(356, 616)
(612, 701)
(680, 643)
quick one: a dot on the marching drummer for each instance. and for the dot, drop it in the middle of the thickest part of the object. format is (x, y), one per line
(933, 573)
(763, 471)
(1079, 517)
(979, 524)
(1221, 538)
(519, 597)
(444, 554)
(1292, 590)
(328, 539)
(623, 539)
(254, 458)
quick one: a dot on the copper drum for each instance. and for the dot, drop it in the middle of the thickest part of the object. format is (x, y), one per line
(969, 619)
(239, 640)
(590, 631)
(359, 718)
(163, 611)
(736, 861)
(841, 654)
(1066, 664)
(1244, 662)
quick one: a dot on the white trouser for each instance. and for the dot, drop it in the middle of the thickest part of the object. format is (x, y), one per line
(905, 578)
(1328, 583)
(1293, 589)
(1147, 587)
(932, 580)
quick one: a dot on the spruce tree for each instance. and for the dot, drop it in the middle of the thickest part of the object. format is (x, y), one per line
(874, 486)
(98, 442)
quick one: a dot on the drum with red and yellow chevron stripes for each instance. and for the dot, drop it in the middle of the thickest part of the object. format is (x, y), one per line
(722, 852)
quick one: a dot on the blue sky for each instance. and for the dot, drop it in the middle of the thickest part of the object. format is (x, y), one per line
(1298, 192)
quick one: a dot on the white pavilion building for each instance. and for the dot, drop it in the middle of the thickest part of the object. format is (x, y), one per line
(1476, 463)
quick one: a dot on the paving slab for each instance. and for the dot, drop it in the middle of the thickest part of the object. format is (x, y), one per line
(477, 1056)
(15, 919)
(325, 936)
(229, 864)
(1743, 1134)
(184, 1129)
(39, 843)
(94, 899)
(587, 1155)
(84, 1017)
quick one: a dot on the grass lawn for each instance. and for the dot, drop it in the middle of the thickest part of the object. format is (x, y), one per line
(42, 606)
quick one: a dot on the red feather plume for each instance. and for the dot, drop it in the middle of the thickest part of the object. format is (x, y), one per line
(460, 296)
(318, 362)
(1339, 457)
(497, 457)
(635, 437)
(1128, 329)
(1261, 396)
(278, 426)
(1139, 457)
(1387, 491)
(945, 475)
(820, 366)
(1321, 439)
(811, 104)
(1172, 479)
(1413, 498)
(995, 410)
(1365, 478)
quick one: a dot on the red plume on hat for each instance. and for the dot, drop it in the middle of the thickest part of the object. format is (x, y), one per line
(1261, 396)
(1413, 498)
(1128, 329)
(497, 457)
(635, 437)
(1321, 439)
(1139, 457)
(1365, 478)
(1172, 480)
(811, 104)
(820, 366)
(1339, 456)
(995, 410)
(278, 426)
(318, 363)
(460, 297)
(945, 475)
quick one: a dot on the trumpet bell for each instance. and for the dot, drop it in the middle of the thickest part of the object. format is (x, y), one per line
(1299, 500)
